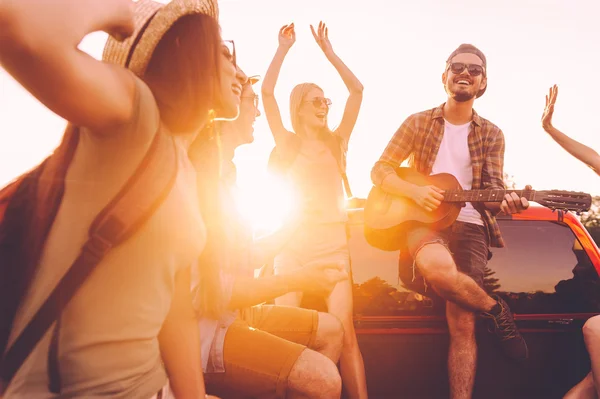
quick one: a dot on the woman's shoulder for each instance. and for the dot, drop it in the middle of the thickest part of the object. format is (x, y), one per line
(141, 126)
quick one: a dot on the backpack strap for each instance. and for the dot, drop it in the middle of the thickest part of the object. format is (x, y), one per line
(6, 194)
(119, 220)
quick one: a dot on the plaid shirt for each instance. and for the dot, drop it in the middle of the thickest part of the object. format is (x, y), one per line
(420, 137)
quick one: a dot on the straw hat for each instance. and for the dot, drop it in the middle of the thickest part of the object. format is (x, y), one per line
(152, 21)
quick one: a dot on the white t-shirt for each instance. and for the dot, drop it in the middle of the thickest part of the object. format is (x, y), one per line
(454, 157)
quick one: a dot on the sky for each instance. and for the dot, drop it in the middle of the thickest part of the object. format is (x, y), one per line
(398, 50)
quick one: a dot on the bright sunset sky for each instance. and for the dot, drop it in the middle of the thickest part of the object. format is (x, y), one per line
(397, 49)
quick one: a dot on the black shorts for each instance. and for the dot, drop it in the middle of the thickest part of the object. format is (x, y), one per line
(467, 242)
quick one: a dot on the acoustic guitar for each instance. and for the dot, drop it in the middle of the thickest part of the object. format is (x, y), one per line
(388, 217)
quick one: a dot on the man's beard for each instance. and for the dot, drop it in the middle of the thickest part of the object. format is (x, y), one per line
(462, 97)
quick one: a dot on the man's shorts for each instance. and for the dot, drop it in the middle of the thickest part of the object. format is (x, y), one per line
(467, 242)
(261, 348)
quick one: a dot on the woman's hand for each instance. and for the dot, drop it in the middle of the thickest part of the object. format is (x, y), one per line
(121, 26)
(287, 36)
(322, 38)
(549, 109)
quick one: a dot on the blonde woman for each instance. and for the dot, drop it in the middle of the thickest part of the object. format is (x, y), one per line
(316, 158)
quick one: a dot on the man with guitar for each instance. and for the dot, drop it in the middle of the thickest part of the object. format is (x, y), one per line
(454, 139)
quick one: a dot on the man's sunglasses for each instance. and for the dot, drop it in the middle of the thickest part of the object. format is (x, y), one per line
(473, 69)
(318, 101)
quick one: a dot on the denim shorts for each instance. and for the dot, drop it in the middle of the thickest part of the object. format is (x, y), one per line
(467, 242)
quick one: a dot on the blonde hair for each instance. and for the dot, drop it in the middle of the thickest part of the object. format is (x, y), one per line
(296, 98)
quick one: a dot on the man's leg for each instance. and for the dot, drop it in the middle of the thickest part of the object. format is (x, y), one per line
(437, 266)
(259, 364)
(319, 331)
(463, 284)
(314, 376)
(462, 356)
(330, 337)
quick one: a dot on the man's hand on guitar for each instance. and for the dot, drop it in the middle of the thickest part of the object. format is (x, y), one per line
(427, 197)
(513, 204)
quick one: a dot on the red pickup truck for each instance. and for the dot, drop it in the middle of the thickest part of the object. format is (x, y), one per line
(548, 274)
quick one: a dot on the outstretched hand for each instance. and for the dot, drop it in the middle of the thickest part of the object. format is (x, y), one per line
(322, 37)
(287, 36)
(549, 110)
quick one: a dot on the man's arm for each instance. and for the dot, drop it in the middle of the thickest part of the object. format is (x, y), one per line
(397, 151)
(383, 173)
(493, 177)
(248, 291)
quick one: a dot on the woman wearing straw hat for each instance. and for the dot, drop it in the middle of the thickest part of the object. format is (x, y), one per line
(317, 175)
(160, 81)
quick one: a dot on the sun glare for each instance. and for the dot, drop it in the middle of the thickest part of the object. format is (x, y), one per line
(266, 204)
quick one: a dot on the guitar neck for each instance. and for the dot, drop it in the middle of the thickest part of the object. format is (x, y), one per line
(484, 195)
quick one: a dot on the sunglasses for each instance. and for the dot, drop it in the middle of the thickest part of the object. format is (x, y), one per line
(229, 49)
(318, 101)
(254, 98)
(473, 69)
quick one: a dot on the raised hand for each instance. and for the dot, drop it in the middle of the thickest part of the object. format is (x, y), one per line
(120, 23)
(287, 36)
(427, 197)
(322, 37)
(549, 110)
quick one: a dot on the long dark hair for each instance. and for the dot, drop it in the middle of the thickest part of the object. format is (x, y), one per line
(205, 155)
(183, 72)
(183, 75)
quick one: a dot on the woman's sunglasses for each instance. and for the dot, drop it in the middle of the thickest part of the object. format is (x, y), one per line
(473, 69)
(229, 47)
(318, 101)
(255, 98)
